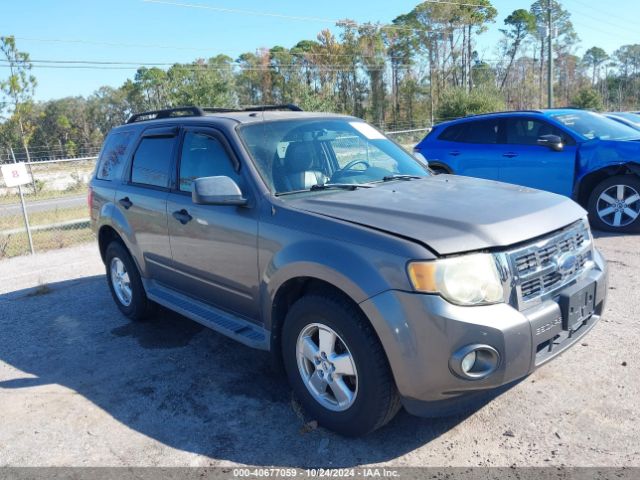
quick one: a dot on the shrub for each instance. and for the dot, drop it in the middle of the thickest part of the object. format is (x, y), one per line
(456, 102)
(588, 98)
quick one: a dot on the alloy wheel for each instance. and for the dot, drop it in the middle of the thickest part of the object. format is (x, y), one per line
(618, 205)
(120, 281)
(327, 367)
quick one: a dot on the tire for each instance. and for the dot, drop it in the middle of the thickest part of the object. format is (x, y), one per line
(138, 307)
(375, 398)
(439, 170)
(615, 201)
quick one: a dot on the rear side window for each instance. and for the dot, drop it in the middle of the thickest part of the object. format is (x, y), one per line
(452, 133)
(152, 161)
(113, 156)
(482, 131)
(485, 131)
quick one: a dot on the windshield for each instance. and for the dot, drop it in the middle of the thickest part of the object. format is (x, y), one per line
(298, 155)
(592, 125)
(634, 118)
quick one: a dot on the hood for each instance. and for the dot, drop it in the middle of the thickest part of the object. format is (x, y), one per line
(449, 214)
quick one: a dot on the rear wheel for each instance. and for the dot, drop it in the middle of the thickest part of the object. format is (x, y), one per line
(614, 205)
(336, 365)
(438, 170)
(125, 283)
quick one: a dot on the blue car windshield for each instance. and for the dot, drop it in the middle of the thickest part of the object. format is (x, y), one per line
(592, 125)
(308, 153)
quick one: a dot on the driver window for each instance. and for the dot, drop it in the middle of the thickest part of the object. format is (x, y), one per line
(203, 156)
(526, 131)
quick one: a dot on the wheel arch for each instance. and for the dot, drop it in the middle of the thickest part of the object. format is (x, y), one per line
(588, 182)
(437, 165)
(106, 235)
(291, 291)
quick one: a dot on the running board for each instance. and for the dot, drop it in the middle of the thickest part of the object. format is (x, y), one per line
(222, 322)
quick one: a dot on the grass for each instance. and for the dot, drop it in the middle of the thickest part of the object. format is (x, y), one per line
(44, 218)
(18, 244)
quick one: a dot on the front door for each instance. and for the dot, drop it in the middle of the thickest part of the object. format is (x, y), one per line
(214, 247)
(524, 162)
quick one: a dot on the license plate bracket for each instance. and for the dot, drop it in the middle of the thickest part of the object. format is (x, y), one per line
(577, 304)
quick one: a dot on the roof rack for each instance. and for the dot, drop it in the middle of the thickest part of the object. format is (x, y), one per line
(193, 111)
(502, 111)
(165, 113)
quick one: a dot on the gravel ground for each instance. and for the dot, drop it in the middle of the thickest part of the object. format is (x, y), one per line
(81, 386)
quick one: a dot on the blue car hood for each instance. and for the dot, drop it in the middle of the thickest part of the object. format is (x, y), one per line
(449, 214)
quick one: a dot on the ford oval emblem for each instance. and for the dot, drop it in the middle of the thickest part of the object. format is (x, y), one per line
(566, 263)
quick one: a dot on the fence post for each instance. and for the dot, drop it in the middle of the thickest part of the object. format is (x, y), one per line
(24, 209)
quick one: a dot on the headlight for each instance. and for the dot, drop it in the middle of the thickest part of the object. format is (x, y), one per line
(465, 280)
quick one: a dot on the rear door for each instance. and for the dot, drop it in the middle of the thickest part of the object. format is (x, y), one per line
(214, 247)
(142, 200)
(524, 162)
(472, 148)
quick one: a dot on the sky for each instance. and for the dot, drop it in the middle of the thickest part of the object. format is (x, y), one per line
(161, 31)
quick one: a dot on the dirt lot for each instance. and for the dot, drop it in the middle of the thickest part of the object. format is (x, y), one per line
(81, 386)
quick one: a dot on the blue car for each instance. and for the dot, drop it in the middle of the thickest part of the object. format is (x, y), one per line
(579, 154)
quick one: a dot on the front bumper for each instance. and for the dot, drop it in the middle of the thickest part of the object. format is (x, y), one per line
(421, 332)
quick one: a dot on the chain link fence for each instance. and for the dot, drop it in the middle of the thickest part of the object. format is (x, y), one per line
(55, 201)
(56, 196)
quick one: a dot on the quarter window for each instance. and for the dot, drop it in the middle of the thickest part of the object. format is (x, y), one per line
(112, 156)
(152, 161)
(203, 156)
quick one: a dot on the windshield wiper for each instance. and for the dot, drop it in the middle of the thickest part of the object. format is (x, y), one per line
(388, 178)
(343, 186)
(327, 186)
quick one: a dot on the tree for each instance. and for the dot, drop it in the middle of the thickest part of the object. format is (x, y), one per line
(456, 102)
(594, 58)
(587, 98)
(521, 23)
(565, 37)
(19, 87)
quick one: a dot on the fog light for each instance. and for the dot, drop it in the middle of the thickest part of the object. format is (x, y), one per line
(474, 362)
(468, 362)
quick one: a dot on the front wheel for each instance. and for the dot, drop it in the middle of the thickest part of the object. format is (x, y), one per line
(614, 205)
(336, 365)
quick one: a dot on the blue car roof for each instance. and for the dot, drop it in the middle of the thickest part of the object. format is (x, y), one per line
(544, 112)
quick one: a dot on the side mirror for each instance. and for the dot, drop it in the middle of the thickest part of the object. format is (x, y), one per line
(554, 142)
(216, 191)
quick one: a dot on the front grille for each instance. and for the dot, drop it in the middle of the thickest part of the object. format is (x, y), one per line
(546, 265)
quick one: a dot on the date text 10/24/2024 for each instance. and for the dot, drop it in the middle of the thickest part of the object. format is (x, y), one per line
(316, 472)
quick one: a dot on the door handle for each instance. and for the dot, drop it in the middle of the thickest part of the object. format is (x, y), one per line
(125, 202)
(455, 153)
(182, 216)
(510, 154)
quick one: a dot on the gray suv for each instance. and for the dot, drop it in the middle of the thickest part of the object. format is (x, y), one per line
(315, 237)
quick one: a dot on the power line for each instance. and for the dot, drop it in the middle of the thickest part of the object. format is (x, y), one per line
(199, 49)
(344, 22)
